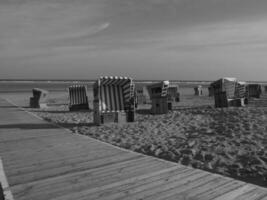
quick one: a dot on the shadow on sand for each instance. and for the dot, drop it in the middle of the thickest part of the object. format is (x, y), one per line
(44, 126)
(61, 111)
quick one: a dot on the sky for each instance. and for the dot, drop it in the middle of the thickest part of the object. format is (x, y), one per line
(143, 39)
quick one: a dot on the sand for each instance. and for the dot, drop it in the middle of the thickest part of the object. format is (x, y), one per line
(229, 141)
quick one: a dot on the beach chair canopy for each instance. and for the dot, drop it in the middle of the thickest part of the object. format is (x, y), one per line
(157, 90)
(113, 93)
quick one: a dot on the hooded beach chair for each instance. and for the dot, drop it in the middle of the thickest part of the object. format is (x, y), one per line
(113, 100)
(78, 99)
(228, 92)
(158, 93)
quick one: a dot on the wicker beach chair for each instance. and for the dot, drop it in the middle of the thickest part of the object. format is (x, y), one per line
(78, 99)
(114, 100)
(158, 93)
(228, 92)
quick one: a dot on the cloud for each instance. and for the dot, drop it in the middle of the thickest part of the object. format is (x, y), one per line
(83, 32)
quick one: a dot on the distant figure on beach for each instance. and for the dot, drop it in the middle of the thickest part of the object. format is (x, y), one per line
(198, 90)
(39, 99)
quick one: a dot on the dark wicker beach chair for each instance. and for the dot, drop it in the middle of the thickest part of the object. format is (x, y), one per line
(78, 99)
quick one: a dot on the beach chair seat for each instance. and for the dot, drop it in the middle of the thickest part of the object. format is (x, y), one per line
(78, 99)
(229, 92)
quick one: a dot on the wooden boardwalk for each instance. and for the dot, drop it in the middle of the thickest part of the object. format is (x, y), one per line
(44, 162)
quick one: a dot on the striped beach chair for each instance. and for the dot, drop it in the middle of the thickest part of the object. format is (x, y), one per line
(113, 99)
(78, 99)
(240, 90)
(158, 93)
(39, 99)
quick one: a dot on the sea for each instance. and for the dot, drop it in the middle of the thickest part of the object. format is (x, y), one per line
(62, 85)
(17, 86)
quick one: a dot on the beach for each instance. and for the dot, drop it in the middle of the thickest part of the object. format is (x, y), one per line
(228, 141)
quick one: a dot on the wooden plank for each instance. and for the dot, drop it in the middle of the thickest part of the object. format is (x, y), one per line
(74, 182)
(140, 190)
(168, 188)
(74, 156)
(263, 198)
(204, 188)
(39, 155)
(6, 136)
(54, 150)
(232, 195)
(138, 186)
(51, 164)
(47, 142)
(255, 194)
(123, 185)
(39, 174)
(222, 189)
